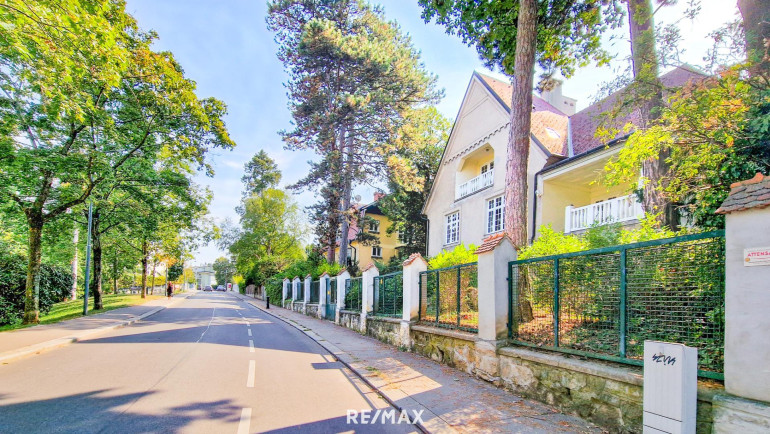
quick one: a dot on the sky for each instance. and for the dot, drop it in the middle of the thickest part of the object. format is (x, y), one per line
(225, 47)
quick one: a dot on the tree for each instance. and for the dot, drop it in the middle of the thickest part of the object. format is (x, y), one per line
(224, 269)
(121, 102)
(353, 77)
(413, 170)
(261, 173)
(558, 36)
(756, 26)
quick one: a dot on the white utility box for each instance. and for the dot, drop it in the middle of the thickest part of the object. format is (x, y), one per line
(670, 388)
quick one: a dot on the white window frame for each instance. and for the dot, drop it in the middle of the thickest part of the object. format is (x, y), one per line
(374, 226)
(495, 215)
(452, 228)
(376, 252)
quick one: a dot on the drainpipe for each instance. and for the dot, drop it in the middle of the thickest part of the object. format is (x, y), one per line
(534, 207)
(570, 150)
(427, 233)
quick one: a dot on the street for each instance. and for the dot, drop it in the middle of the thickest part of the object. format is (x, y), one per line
(211, 363)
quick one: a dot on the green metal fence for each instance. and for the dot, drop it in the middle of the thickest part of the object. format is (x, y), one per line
(330, 299)
(315, 291)
(606, 302)
(389, 295)
(449, 297)
(353, 291)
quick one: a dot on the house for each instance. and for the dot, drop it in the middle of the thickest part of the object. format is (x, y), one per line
(376, 223)
(466, 203)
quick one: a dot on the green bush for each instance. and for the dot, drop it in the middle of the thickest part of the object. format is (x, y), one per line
(55, 284)
(461, 254)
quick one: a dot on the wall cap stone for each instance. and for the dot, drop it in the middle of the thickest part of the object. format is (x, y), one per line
(755, 408)
(309, 275)
(371, 264)
(456, 334)
(413, 257)
(344, 270)
(325, 274)
(350, 312)
(384, 319)
(491, 242)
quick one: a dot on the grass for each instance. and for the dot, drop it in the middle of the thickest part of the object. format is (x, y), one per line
(74, 309)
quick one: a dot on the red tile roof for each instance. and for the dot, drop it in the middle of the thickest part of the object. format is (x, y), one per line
(749, 194)
(585, 122)
(491, 242)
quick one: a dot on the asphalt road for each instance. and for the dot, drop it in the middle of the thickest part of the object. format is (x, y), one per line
(211, 363)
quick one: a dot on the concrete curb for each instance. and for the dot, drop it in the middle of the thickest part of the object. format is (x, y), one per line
(60, 342)
(339, 354)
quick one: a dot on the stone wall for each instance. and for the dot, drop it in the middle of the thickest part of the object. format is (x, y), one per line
(350, 319)
(455, 349)
(297, 307)
(605, 393)
(312, 310)
(385, 329)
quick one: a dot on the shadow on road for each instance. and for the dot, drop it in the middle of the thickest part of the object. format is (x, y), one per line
(99, 411)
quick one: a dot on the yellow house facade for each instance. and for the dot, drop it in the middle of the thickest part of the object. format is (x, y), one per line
(375, 223)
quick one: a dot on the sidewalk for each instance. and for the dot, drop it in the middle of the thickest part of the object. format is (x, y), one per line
(453, 401)
(30, 340)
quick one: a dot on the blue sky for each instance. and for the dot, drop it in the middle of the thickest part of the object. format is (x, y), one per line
(225, 47)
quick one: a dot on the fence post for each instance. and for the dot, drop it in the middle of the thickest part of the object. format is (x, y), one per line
(367, 293)
(410, 312)
(306, 293)
(323, 283)
(746, 406)
(494, 254)
(294, 292)
(341, 279)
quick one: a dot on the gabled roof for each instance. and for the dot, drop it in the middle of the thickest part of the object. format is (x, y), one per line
(544, 116)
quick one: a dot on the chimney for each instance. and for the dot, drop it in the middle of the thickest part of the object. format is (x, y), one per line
(554, 97)
(378, 195)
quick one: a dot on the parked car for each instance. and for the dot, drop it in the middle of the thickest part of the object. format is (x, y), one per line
(220, 288)
(207, 288)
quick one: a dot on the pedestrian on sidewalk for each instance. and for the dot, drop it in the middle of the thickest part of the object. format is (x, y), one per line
(169, 290)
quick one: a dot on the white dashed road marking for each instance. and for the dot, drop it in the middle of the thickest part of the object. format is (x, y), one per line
(251, 346)
(249, 332)
(245, 424)
(252, 368)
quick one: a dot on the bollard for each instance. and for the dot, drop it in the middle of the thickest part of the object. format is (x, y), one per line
(267, 302)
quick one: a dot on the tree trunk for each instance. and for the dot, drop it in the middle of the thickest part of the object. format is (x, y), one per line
(519, 137)
(96, 251)
(154, 264)
(115, 274)
(347, 182)
(144, 269)
(756, 25)
(32, 288)
(649, 92)
(74, 289)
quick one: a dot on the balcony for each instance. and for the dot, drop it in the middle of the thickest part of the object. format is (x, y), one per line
(617, 210)
(476, 184)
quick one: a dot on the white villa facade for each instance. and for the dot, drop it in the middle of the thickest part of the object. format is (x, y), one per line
(466, 203)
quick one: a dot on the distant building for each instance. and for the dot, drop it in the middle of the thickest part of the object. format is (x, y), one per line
(204, 275)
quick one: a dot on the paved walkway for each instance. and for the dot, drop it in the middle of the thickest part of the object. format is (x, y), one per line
(42, 337)
(453, 401)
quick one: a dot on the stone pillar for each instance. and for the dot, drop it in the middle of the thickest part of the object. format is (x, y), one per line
(746, 407)
(494, 254)
(413, 266)
(286, 292)
(306, 295)
(341, 279)
(323, 284)
(367, 293)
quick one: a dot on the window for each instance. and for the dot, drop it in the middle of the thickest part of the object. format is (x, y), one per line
(487, 167)
(376, 252)
(452, 228)
(495, 215)
(374, 226)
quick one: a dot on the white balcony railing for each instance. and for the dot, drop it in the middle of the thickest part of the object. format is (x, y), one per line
(619, 209)
(478, 183)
